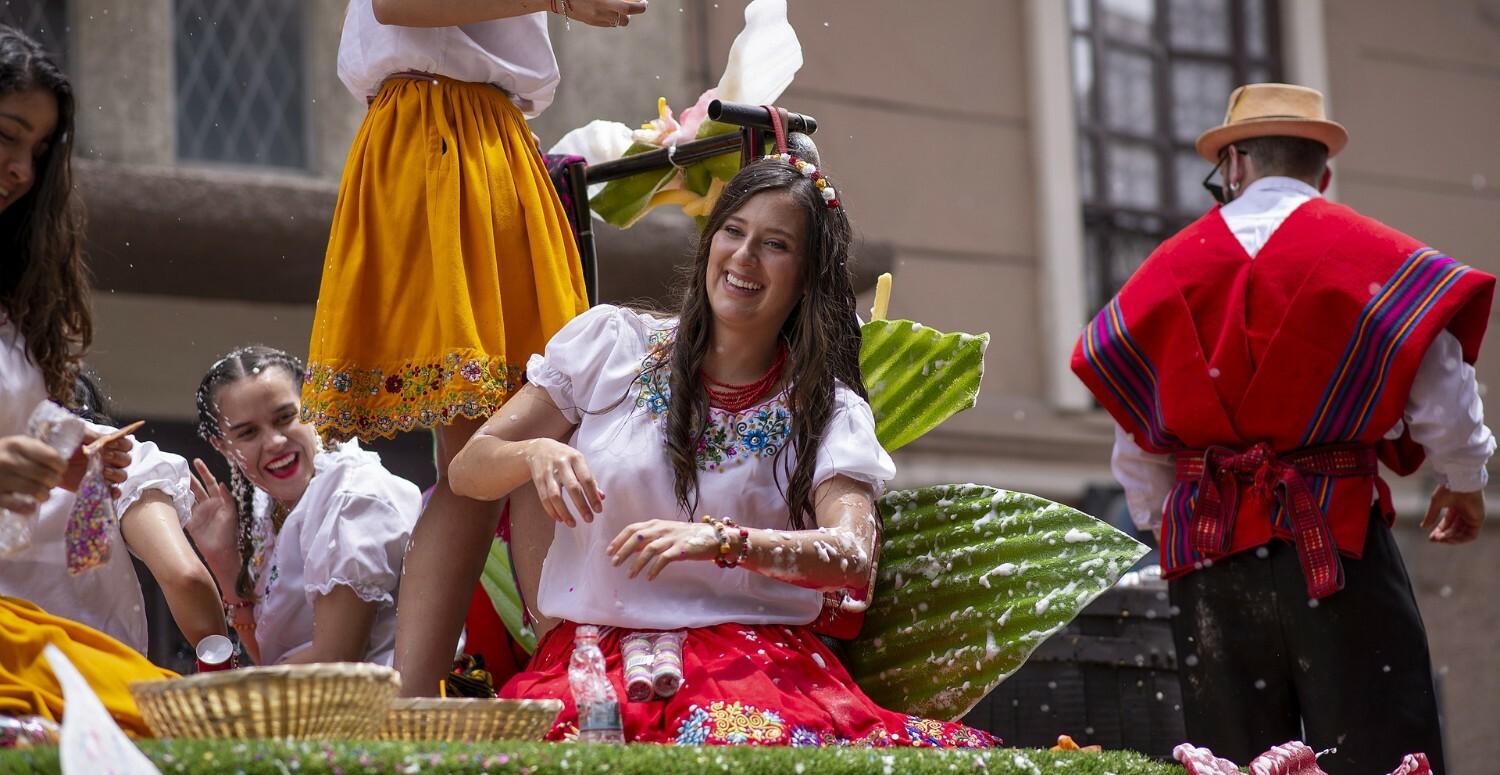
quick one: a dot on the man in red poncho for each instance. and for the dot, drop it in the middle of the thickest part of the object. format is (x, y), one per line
(1258, 365)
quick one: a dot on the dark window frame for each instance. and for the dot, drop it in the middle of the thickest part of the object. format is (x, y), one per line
(236, 104)
(56, 31)
(1107, 225)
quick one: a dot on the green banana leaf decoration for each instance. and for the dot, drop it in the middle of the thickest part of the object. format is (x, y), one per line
(622, 202)
(971, 580)
(917, 377)
(500, 585)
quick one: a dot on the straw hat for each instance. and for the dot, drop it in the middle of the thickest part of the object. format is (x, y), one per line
(1273, 110)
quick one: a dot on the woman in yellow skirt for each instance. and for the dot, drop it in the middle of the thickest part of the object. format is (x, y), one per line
(449, 263)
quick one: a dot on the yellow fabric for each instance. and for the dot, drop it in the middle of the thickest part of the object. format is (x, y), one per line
(27, 685)
(450, 262)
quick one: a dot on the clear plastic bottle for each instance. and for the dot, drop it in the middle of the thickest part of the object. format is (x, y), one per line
(593, 694)
(62, 430)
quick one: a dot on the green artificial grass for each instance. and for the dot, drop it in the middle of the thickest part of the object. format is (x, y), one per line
(257, 757)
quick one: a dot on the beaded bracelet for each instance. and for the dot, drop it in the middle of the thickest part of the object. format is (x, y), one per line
(722, 558)
(231, 608)
(744, 544)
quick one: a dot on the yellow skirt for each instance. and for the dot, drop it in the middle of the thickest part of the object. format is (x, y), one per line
(27, 685)
(450, 262)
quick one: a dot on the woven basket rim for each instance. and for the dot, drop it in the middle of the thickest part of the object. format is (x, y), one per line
(314, 701)
(474, 703)
(469, 718)
(226, 678)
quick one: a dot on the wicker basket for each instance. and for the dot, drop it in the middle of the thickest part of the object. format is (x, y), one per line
(319, 701)
(469, 719)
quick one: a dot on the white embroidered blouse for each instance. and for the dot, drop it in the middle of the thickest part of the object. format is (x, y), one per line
(595, 371)
(350, 528)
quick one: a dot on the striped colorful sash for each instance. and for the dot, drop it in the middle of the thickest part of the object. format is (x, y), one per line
(1220, 471)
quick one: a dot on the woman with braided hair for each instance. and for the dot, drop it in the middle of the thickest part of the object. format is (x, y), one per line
(306, 541)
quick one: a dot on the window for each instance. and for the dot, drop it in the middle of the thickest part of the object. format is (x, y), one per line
(44, 20)
(1148, 77)
(242, 93)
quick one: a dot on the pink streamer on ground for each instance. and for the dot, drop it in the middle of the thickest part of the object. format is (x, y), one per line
(1293, 758)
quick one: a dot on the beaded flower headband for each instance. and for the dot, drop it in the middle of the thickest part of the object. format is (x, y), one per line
(830, 197)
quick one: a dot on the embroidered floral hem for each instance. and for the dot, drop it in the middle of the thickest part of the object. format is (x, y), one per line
(344, 401)
(743, 684)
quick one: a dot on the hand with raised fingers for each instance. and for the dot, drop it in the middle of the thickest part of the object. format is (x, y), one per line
(602, 13)
(29, 469)
(652, 545)
(214, 523)
(1454, 517)
(562, 478)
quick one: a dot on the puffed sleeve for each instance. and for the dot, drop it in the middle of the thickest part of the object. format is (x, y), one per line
(358, 541)
(591, 363)
(850, 446)
(152, 469)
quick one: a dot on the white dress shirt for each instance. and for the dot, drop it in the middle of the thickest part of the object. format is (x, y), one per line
(1443, 411)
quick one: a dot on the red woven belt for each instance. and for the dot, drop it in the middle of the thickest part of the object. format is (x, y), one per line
(1220, 471)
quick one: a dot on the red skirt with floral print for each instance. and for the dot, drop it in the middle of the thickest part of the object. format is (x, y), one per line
(743, 684)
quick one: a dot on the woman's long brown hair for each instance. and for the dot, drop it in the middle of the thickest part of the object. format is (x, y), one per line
(44, 286)
(822, 333)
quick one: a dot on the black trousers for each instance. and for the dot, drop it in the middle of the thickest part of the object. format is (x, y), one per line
(1262, 664)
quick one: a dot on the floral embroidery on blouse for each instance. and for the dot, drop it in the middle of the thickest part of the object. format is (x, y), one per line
(731, 437)
(260, 542)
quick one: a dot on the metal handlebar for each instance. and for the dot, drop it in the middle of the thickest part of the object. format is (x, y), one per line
(757, 117)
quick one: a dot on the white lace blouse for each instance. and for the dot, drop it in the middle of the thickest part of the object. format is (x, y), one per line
(350, 528)
(589, 367)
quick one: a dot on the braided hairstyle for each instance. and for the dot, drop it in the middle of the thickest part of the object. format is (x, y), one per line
(237, 365)
(822, 333)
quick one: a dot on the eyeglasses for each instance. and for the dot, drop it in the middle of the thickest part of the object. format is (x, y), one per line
(1214, 189)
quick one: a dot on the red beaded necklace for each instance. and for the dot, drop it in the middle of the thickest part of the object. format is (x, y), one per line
(737, 398)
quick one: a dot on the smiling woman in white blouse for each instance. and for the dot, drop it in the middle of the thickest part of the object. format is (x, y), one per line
(306, 542)
(711, 473)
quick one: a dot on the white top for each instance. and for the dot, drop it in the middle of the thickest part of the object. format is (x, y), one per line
(514, 54)
(595, 363)
(22, 386)
(107, 598)
(349, 528)
(1443, 411)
